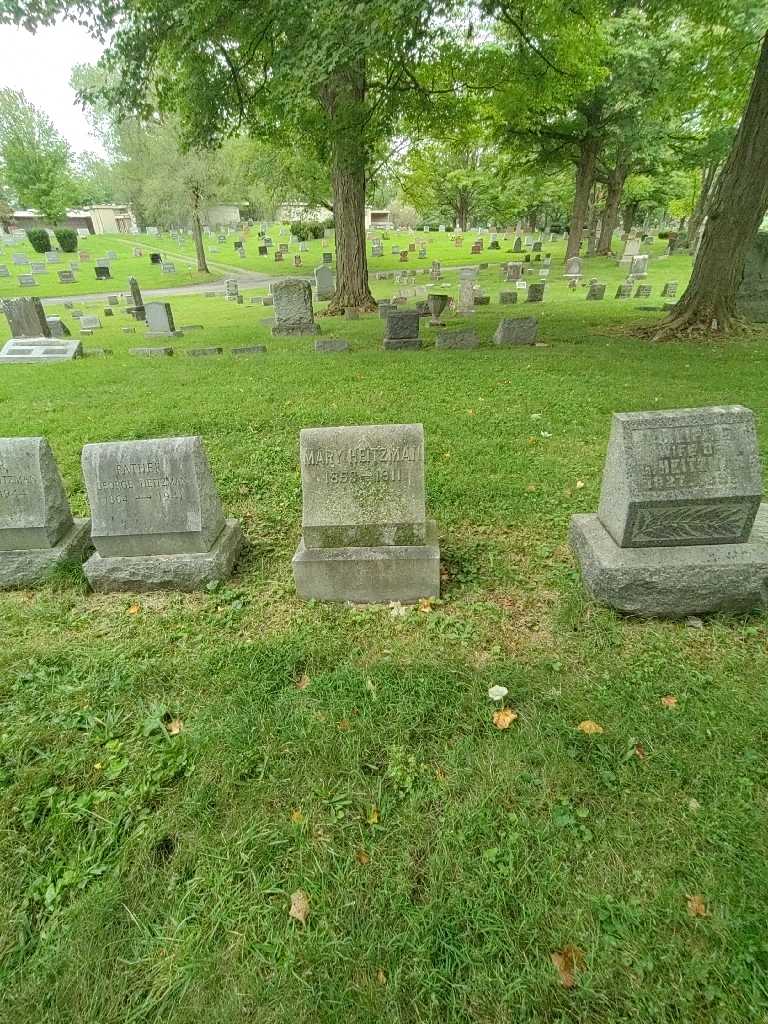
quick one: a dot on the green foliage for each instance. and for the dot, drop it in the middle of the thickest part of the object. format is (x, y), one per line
(39, 239)
(67, 239)
(35, 161)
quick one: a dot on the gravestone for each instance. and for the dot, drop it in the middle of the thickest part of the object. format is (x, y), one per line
(249, 350)
(680, 529)
(136, 308)
(37, 531)
(752, 295)
(26, 318)
(624, 291)
(402, 330)
(385, 308)
(157, 518)
(536, 291)
(4, 271)
(66, 277)
(643, 291)
(631, 250)
(639, 266)
(52, 257)
(263, 250)
(366, 537)
(325, 283)
(466, 303)
(212, 350)
(102, 273)
(38, 268)
(596, 291)
(536, 247)
(507, 298)
(457, 339)
(331, 345)
(84, 257)
(57, 327)
(169, 268)
(155, 258)
(90, 323)
(520, 331)
(514, 272)
(573, 267)
(160, 323)
(328, 258)
(27, 281)
(33, 350)
(20, 259)
(669, 291)
(518, 246)
(437, 302)
(151, 352)
(293, 308)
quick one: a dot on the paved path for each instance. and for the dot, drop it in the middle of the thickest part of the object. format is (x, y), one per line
(244, 280)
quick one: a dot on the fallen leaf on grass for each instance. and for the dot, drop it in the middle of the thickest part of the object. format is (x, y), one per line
(174, 727)
(296, 816)
(590, 728)
(343, 725)
(694, 805)
(504, 718)
(303, 682)
(569, 960)
(362, 857)
(669, 702)
(374, 816)
(381, 977)
(425, 604)
(697, 907)
(134, 609)
(640, 751)
(531, 488)
(299, 906)
(579, 484)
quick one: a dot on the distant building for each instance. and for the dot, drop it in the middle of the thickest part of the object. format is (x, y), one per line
(104, 219)
(377, 218)
(304, 212)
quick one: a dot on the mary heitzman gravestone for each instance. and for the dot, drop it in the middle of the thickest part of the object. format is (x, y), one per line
(37, 531)
(366, 536)
(680, 529)
(157, 519)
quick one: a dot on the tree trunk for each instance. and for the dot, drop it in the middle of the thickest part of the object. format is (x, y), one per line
(197, 234)
(614, 186)
(343, 99)
(585, 176)
(737, 208)
(628, 217)
(708, 177)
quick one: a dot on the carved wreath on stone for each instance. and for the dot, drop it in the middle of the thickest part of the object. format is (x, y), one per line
(689, 522)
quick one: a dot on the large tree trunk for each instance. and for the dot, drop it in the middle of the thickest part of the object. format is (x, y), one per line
(614, 187)
(197, 234)
(737, 208)
(585, 177)
(343, 99)
(708, 177)
(628, 217)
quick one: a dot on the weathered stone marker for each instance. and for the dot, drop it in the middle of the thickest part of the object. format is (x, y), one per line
(676, 531)
(402, 330)
(293, 308)
(457, 339)
(519, 331)
(160, 323)
(157, 518)
(26, 318)
(366, 537)
(37, 531)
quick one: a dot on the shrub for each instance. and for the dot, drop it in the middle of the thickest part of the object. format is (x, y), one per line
(39, 239)
(317, 230)
(301, 230)
(663, 234)
(67, 239)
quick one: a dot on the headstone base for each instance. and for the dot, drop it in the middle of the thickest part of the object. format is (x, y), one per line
(164, 334)
(375, 575)
(672, 583)
(395, 344)
(293, 331)
(23, 568)
(187, 572)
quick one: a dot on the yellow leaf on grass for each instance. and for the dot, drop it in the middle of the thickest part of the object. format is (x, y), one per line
(579, 484)
(134, 609)
(343, 725)
(697, 907)
(374, 816)
(590, 728)
(503, 718)
(425, 604)
(299, 906)
(296, 816)
(362, 857)
(303, 682)
(174, 727)
(669, 702)
(566, 962)
(381, 977)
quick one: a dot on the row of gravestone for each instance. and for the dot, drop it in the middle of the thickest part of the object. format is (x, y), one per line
(680, 529)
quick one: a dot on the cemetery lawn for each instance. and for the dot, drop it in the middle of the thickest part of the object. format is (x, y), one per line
(175, 767)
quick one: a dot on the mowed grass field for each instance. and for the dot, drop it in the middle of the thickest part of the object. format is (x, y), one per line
(175, 767)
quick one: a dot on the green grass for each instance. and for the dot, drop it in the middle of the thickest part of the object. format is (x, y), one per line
(127, 265)
(147, 877)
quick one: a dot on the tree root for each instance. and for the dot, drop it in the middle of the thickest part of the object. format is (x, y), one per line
(337, 306)
(696, 326)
